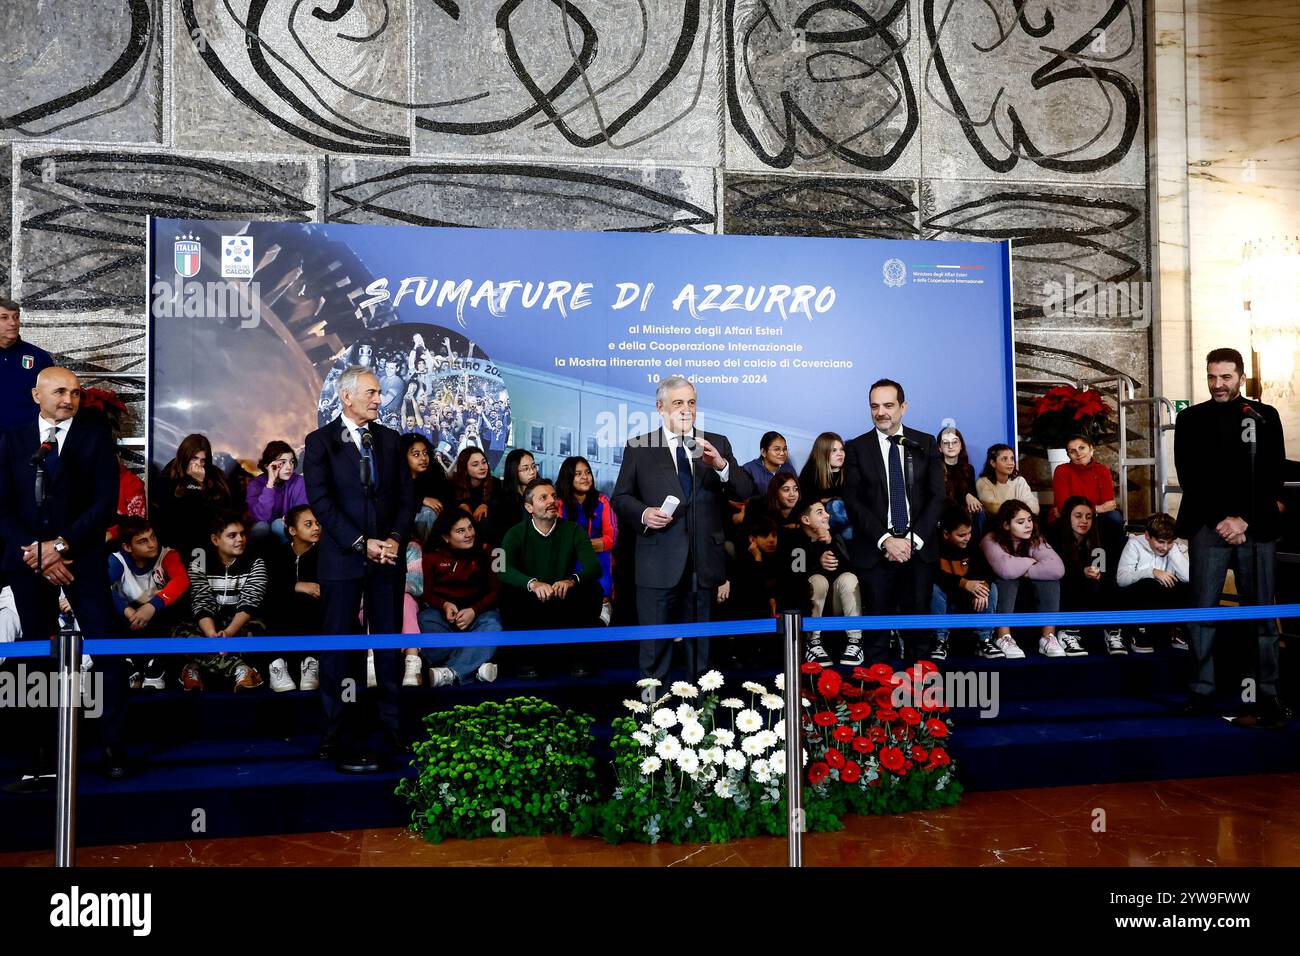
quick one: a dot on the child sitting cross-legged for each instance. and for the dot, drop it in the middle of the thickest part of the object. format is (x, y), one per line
(1153, 575)
(148, 585)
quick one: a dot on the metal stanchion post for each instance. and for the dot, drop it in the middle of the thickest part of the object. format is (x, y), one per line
(65, 806)
(792, 632)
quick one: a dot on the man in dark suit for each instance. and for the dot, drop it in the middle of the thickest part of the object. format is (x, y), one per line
(360, 490)
(680, 560)
(893, 492)
(1230, 518)
(80, 489)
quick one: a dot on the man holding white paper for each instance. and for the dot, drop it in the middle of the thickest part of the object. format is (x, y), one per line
(672, 487)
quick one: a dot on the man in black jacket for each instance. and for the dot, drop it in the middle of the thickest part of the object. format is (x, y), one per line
(1229, 454)
(360, 491)
(893, 492)
(680, 559)
(80, 484)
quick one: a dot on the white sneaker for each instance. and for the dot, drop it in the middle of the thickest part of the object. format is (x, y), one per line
(280, 679)
(1010, 649)
(441, 677)
(371, 680)
(1049, 646)
(1071, 642)
(309, 679)
(487, 673)
(606, 612)
(412, 676)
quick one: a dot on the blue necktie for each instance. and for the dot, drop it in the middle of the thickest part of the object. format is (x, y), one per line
(684, 471)
(897, 491)
(368, 455)
(52, 459)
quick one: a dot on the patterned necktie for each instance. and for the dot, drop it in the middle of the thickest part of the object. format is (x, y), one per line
(897, 491)
(52, 459)
(684, 471)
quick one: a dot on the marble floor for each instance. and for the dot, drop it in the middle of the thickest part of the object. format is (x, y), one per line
(1221, 821)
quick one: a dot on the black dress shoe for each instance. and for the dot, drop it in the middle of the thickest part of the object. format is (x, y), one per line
(359, 763)
(115, 763)
(1271, 714)
(1198, 705)
(31, 783)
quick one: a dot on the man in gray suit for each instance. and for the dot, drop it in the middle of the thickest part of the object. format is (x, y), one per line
(679, 556)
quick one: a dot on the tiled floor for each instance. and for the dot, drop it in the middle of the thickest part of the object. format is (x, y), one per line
(1221, 821)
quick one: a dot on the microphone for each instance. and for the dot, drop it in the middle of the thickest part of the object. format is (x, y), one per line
(906, 442)
(367, 478)
(691, 446)
(45, 449)
(1248, 410)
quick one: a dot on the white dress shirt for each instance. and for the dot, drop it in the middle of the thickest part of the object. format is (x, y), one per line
(60, 430)
(885, 445)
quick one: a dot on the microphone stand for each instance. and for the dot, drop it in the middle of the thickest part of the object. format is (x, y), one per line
(908, 481)
(693, 548)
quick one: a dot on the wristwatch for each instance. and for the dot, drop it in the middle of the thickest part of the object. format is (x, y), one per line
(359, 545)
(60, 545)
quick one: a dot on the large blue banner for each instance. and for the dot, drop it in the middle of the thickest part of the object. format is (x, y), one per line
(555, 341)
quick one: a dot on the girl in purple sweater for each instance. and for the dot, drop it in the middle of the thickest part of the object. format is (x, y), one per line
(1016, 551)
(275, 492)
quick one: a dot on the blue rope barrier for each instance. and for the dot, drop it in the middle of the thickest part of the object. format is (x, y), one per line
(604, 635)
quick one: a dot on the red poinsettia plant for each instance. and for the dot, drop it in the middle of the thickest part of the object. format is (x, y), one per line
(879, 734)
(1065, 411)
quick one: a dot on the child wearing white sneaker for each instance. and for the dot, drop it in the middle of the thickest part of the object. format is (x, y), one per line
(1153, 575)
(460, 595)
(1017, 552)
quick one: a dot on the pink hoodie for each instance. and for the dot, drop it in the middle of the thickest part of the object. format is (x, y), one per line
(1046, 566)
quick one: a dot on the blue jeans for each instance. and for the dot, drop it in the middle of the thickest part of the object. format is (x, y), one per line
(463, 661)
(424, 521)
(939, 605)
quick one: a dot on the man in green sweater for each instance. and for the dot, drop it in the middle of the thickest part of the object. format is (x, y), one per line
(550, 578)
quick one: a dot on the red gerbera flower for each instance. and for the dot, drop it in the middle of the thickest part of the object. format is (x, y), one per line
(843, 734)
(939, 757)
(849, 692)
(910, 716)
(851, 772)
(886, 714)
(863, 745)
(919, 754)
(880, 672)
(861, 673)
(810, 668)
(828, 684)
(878, 734)
(859, 711)
(891, 758)
(835, 758)
(817, 773)
(936, 727)
(825, 718)
(884, 697)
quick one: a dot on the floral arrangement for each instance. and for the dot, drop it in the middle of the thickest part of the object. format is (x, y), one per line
(1065, 411)
(875, 743)
(692, 766)
(515, 768)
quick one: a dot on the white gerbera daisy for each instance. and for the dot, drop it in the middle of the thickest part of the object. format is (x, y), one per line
(754, 688)
(650, 765)
(708, 773)
(768, 739)
(776, 762)
(723, 736)
(712, 680)
(735, 760)
(723, 788)
(649, 728)
(686, 713)
(731, 703)
(779, 729)
(669, 748)
(773, 701)
(664, 718)
(649, 682)
(780, 681)
(689, 761)
(635, 706)
(642, 738)
(761, 777)
(752, 746)
(748, 721)
(759, 766)
(713, 755)
(684, 689)
(692, 732)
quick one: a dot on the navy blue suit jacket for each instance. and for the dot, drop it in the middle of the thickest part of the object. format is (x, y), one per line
(80, 497)
(332, 469)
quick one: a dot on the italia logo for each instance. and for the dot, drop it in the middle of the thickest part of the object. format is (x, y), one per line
(29, 361)
(187, 254)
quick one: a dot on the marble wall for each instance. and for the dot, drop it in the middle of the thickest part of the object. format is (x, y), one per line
(972, 119)
(1227, 113)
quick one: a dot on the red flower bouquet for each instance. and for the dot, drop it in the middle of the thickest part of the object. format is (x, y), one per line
(1065, 411)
